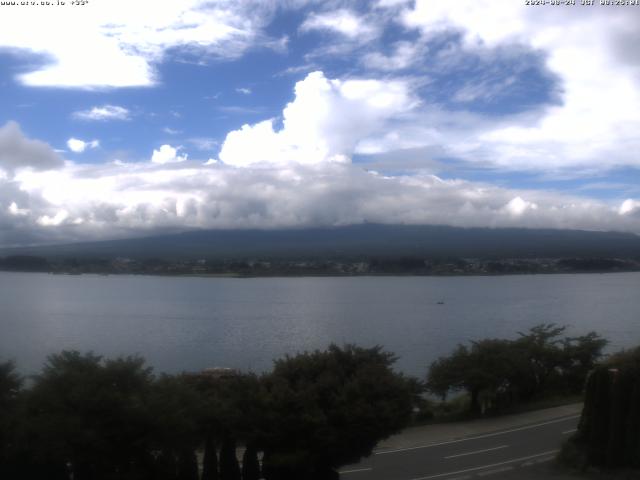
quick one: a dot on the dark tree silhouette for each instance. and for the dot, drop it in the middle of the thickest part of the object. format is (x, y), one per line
(330, 408)
(250, 463)
(498, 373)
(229, 468)
(609, 428)
(210, 460)
(90, 414)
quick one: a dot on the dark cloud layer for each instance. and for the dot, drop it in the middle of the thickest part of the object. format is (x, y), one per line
(18, 151)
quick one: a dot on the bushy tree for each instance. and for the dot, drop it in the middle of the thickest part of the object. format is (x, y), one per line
(581, 355)
(488, 367)
(330, 408)
(497, 372)
(91, 414)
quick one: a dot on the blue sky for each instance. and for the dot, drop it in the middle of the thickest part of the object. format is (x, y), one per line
(124, 118)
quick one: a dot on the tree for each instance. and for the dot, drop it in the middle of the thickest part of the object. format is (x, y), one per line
(489, 367)
(609, 428)
(330, 408)
(498, 373)
(210, 460)
(250, 463)
(176, 409)
(581, 355)
(229, 468)
(543, 349)
(10, 384)
(90, 413)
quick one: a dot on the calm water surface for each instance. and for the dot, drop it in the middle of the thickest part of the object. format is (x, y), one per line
(183, 323)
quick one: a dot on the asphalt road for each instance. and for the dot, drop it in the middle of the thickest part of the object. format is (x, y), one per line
(500, 453)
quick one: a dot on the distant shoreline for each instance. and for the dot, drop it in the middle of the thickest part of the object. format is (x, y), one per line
(321, 275)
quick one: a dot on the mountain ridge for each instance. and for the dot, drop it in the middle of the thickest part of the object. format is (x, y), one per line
(353, 241)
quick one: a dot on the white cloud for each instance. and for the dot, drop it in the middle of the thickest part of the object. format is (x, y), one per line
(324, 123)
(629, 207)
(87, 201)
(244, 91)
(517, 206)
(119, 42)
(595, 126)
(340, 21)
(106, 112)
(17, 211)
(167, 154)
(53, 221)
(78, 146)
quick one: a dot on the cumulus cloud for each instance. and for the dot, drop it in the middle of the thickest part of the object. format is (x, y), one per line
(17, 151)
(78, 146)
(119, 42)
(324, 123)
(167, 154)
(105, 112)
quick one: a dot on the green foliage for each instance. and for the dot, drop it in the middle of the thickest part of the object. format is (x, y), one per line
(10, 384)
(500, 373)
(250, 463)
(609, 427)
(90, 414)
(229, 468)
(210, 460)
(330, 408)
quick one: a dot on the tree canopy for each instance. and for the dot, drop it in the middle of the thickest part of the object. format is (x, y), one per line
(95, 418)
(500, 372)
(330, 408)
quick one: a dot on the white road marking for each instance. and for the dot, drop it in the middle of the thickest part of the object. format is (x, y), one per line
(477, 451)
(355, 470)
(567, 432)
(494, 471)
(564, 419)
(506, 462)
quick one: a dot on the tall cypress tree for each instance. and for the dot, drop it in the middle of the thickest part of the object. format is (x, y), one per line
(229, 468)
(250, 463)
(187, 465)
(210, 460)
(610, 423)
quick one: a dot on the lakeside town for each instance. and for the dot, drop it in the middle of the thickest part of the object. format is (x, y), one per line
(308, 266)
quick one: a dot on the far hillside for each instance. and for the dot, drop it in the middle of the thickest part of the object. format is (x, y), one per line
(355, 242)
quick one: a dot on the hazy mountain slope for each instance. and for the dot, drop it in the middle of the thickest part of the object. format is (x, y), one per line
(355, 241)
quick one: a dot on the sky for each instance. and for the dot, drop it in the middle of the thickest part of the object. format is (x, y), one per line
(121, 118)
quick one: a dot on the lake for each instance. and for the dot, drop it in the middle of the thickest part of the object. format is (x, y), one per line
(189, 323)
